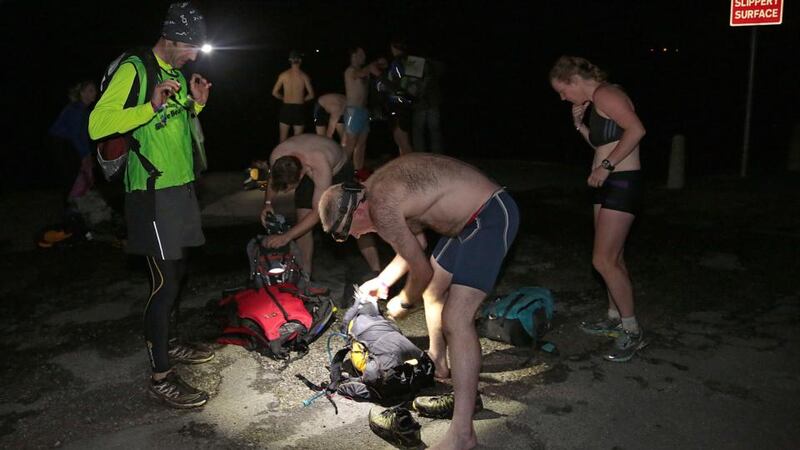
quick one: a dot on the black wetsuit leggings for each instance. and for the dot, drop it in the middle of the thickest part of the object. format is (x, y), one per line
(165, 285)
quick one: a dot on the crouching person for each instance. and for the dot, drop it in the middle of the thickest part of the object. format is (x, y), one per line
(308, 164)
(478, 220)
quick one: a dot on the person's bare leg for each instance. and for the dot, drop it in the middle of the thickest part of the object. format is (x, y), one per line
(402, 140)
(366, 245)
(349, 145)
(435, 297)
(607, 257)
(612, 306)
(283, 130)
(360, 150)
(298, 129)
(342, 134)
(306, 243)
(458, 323)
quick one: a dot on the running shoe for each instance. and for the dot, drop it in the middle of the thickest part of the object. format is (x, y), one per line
(181, 353)
(625, 346)
(441, 406)
(603, 327)
(395, 425)
(173, 391)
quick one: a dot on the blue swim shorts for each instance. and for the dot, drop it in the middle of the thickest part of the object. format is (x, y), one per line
(356, 120)
(474, 256)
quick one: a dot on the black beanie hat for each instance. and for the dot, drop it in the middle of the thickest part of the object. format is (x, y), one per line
(184, 23)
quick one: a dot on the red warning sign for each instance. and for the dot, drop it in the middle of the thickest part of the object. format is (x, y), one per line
(756, 12)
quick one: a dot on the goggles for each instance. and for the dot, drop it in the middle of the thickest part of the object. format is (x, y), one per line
(340, 230)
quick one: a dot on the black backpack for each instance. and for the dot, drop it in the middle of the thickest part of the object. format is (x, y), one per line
(112, 151)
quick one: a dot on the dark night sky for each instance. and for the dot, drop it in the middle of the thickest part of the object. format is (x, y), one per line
(498, 99)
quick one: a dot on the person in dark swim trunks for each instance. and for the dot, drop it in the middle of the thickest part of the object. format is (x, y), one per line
(293, 88)
(329, 115)
(614, 131)
(478, 221)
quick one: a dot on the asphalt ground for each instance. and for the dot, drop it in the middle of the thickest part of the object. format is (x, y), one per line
(715, 274)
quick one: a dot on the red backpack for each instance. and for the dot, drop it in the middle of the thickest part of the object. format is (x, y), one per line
(275, 320)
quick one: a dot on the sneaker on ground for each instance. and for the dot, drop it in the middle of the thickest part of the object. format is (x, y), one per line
(173, 391)
(625, 346)
(603, 327)
(395, 425)
(441, 406)
(182, 353)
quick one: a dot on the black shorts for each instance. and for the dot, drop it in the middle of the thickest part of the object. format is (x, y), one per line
(304, 193)
(292, 114)
(321, 117)
(176, 227)
(400, 116)
(622, 191)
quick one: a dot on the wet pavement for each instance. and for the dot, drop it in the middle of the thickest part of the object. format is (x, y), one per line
(715, 274)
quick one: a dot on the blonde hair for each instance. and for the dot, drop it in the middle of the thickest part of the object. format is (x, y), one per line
(567, 66)
(74, 92)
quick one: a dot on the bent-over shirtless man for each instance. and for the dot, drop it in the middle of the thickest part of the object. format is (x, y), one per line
(478, 220)
(329, 115)
(309, 164)
(293, 88)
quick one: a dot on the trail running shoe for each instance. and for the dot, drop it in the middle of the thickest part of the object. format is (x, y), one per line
(625, 346)
(604, 327)
(441, 406)
(395, 425)
(187, 353)
(173, 391)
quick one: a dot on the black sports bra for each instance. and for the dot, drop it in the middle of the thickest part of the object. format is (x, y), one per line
(602, 130)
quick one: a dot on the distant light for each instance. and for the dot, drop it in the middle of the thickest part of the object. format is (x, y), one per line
(652, 50)
(676, 50)
(316, 51)
(665, 49)
(206, 48)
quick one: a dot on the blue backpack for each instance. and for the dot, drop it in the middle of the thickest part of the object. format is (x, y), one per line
(520, 318)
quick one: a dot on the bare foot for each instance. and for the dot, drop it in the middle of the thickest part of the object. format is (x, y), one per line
(454, 441)
(442, 372)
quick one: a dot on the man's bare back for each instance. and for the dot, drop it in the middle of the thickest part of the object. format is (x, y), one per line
(427, 191)
(333, 104)
(296, 86)
(320, 156)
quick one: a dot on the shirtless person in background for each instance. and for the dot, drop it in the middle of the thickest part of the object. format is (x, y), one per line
(478, 221)
(309, 164)
(296, 90)
(329, 115)
(356, 119)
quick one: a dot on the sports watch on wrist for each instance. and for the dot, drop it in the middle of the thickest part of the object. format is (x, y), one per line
(606, 164)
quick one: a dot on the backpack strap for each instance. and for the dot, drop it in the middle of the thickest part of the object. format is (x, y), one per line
(146, 79)
(336, 367)
(147, 75)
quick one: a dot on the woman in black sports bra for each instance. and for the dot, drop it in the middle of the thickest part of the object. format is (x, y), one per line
(614, 131)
